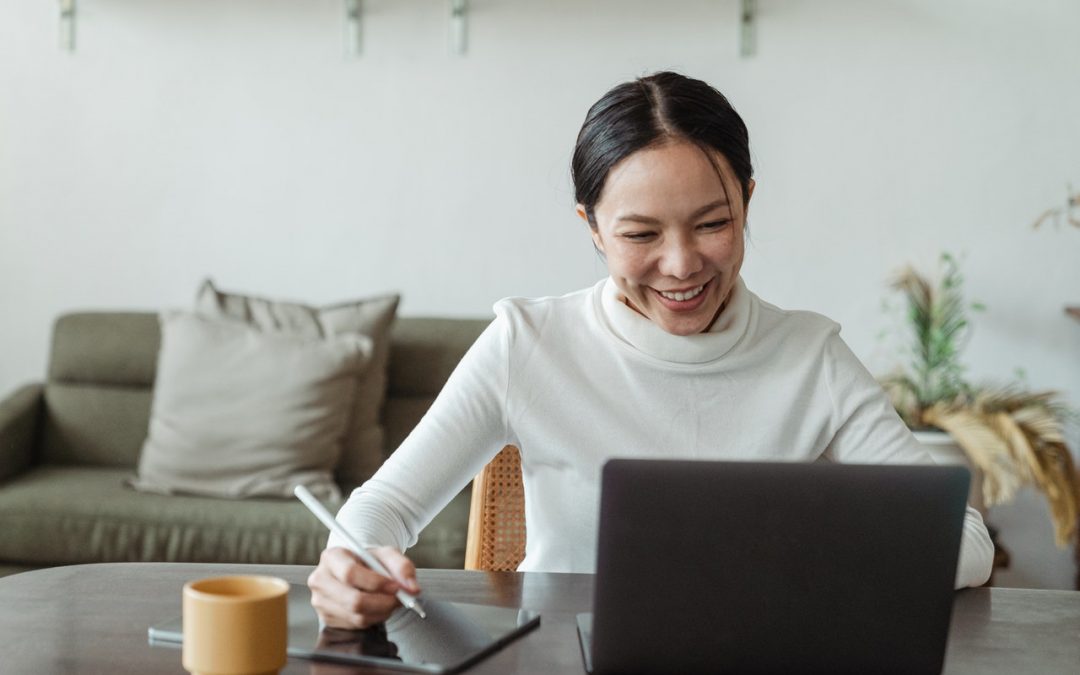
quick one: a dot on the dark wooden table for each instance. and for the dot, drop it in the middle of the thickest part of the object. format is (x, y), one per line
(93, 619)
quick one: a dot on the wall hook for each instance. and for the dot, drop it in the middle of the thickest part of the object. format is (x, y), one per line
(67, 25)
(747, 28)
(458, 33)
(353, 28)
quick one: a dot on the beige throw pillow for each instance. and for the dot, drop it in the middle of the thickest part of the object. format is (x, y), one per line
(240, 412)
(363, 451)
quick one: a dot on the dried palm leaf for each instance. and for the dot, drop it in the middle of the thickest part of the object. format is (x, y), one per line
(1015, 448)
(915, 288)
(1019, 445)
(985, 449)
(1062, 490)
(1040, 421)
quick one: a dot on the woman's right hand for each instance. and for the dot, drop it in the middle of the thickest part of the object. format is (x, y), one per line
(347, 594)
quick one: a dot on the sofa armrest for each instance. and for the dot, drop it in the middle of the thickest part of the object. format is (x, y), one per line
(19, 415)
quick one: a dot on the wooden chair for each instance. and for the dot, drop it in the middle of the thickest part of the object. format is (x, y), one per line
(496, 536)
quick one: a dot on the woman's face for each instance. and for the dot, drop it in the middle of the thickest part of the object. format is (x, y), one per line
(672, 239)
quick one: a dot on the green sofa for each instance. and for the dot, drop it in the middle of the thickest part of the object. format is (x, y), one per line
(67, 444)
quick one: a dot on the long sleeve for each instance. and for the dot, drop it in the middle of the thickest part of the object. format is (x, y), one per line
(464, 428)
(870, 431)
(576, 379)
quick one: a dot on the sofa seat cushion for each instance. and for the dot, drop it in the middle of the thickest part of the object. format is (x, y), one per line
(59, 515)
(8, 570)
(66, 515)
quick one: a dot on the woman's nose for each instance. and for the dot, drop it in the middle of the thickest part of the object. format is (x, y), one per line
(680, 259)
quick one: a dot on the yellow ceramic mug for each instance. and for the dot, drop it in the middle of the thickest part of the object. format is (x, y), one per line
(235, 625)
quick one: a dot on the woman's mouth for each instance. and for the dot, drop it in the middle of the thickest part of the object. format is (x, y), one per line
(684, 300)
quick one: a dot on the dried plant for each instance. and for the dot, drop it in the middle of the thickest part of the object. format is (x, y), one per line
(938, 321)
(1014, 436)
(1067, 212)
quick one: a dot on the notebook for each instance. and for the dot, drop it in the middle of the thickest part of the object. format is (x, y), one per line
(774, 567)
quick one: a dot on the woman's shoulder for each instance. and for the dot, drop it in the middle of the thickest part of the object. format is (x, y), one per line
(777, 320)
(540, 310)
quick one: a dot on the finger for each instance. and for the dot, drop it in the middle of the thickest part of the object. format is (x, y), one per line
(350, 602)
(375, 605)
(347, 567)
(400, 568)
(338, 601)
(343, 606)
(325, 594)
(353, 621)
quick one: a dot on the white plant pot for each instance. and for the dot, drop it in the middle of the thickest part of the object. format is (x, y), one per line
(944, 450)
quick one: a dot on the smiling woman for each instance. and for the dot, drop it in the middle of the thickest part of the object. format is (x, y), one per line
(671, 237)
(671, 356)
(663, 177)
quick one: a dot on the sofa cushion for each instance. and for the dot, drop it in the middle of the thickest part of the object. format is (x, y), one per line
(239, 412)
(105, 348)
(371, 317)
(97, 397)
(426, 350)
(20, 414)
(8, 570)
(65, 515)
(100, 425)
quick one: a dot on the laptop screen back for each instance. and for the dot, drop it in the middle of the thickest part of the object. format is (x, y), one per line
(775, 567)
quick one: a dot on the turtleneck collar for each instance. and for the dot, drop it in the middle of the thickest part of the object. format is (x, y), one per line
(650, 339)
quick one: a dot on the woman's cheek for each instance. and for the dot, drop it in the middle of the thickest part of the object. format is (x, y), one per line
(631, 262)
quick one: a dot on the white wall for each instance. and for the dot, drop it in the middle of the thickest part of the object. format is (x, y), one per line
(187, 138)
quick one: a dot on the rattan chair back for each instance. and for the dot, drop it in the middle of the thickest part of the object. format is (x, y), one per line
(496, 537)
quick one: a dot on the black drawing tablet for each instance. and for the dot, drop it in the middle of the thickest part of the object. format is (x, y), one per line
(452, 637)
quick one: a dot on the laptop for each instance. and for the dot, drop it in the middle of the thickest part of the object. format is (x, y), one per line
(746, 567)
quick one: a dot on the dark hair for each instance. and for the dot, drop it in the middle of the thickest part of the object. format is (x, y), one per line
(649, 111)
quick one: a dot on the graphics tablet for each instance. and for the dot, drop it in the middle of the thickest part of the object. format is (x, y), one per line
(454, 636)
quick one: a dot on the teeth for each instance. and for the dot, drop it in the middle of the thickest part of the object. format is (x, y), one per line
(680, 297)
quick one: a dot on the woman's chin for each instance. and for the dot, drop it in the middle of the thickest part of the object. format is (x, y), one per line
(684, 325)
(682, 331)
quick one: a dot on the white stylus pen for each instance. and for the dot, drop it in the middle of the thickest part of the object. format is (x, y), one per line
(407, 599)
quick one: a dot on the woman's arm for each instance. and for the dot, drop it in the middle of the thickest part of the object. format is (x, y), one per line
(868, 430)
(464, 428)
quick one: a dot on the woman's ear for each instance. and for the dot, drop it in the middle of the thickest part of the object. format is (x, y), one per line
(749, 193)
(598, 243)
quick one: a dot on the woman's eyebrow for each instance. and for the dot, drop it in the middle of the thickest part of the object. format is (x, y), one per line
(649, 220)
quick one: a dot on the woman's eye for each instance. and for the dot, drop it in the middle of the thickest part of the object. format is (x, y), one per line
(638, 236)
(715, 225)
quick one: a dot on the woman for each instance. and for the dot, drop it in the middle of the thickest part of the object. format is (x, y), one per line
(670, 356)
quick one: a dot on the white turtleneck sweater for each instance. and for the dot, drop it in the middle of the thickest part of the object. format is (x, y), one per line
(575, 380)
